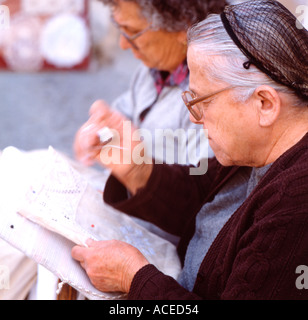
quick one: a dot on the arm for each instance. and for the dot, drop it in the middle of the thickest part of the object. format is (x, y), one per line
(171, 196)
(149, 284)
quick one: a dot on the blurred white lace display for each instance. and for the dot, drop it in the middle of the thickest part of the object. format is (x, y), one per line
(59, 206)
(46, 34)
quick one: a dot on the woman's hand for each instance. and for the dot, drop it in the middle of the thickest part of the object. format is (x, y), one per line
(87, 145)
(118, 155)
(110, 265)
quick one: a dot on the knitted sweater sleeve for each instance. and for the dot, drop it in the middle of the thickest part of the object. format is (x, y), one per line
(149, 284)
(170, 198)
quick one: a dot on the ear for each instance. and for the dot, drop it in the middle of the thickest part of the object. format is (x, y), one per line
(268, 105)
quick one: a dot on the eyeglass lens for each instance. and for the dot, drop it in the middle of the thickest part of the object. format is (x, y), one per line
(195, 109)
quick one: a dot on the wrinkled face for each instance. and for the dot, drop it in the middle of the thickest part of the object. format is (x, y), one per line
(156, 49)
(232, 126)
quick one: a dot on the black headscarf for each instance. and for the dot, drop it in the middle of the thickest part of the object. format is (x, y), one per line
(272, 39)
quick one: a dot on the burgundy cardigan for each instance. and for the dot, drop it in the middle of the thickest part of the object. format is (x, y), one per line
(256, 253)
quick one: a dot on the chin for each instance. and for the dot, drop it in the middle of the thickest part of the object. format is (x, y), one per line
(223, 160)
(221, 156)
(226, 163)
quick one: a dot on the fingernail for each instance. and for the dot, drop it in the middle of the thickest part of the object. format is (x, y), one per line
(87, 128)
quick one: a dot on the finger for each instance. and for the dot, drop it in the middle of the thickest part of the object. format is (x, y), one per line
(78, 253)
(86, 152)
(87, 127)
(87, 160)
(99, 110)
(91, 243)
(87, 139)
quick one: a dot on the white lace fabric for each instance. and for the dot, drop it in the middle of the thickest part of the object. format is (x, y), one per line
(47, 207)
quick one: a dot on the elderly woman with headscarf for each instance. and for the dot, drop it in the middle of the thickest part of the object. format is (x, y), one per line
(249, 89)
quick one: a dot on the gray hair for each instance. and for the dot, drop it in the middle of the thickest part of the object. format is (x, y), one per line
(174, 15)
(211, 39)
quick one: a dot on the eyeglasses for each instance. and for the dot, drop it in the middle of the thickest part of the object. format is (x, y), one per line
(192, 102)
(132, 38)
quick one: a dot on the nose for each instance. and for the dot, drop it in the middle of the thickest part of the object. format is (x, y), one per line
(124, 43)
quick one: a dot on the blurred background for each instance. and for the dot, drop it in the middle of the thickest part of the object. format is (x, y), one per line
(56, 58)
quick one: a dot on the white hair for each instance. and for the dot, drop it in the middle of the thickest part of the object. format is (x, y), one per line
(212, 41)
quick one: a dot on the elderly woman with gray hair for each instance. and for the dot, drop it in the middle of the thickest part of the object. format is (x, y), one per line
(249, 89)
(155, 32)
